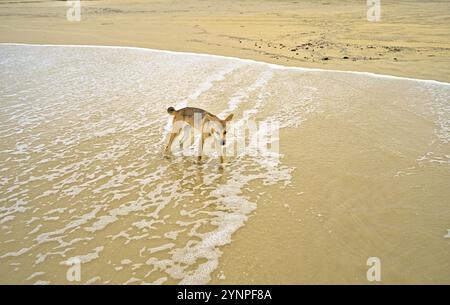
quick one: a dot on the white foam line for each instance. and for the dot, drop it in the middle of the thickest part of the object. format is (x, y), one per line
(275, 66)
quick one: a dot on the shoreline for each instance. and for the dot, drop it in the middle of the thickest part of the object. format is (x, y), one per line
(276, 66)
(356, 115)
(409, 41)
(363, 163)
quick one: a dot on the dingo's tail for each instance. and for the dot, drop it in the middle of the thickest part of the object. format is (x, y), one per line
(171, 110)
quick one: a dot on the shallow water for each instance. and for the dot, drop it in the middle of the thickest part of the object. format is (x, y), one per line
(362, 170)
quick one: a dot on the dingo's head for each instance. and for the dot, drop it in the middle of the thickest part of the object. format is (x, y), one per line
(220, 128)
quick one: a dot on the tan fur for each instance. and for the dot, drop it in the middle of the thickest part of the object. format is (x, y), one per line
(209, 124)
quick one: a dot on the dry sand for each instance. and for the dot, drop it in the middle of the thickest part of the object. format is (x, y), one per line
(411, 39)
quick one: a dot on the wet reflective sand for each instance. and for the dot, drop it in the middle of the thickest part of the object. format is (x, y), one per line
(362, 170)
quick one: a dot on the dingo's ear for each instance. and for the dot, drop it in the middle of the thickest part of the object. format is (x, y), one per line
(229, 117)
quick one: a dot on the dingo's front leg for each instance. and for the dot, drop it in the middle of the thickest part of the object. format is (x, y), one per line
(202, 142)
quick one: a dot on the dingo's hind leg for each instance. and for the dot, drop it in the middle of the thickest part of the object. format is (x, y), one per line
(176, 129)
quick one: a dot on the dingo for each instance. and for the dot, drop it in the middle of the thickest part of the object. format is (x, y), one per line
(208, 124)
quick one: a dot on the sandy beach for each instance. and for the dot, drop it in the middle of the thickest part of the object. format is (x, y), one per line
(361, 171)
(361, 168)
(410, 40)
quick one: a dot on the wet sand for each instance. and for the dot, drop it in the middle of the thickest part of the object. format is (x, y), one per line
(362, 171)
(363, 159)
(410, 40)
